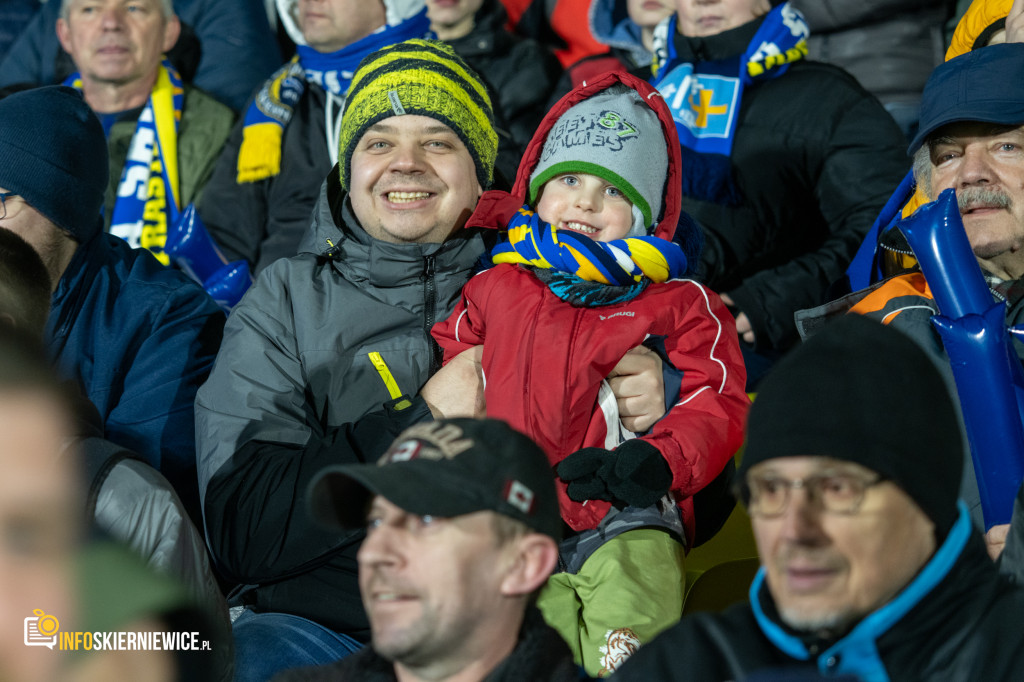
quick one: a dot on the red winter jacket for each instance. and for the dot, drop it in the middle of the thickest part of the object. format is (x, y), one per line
(544, 360)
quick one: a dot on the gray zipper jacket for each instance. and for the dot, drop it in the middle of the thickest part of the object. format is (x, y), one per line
(320, 340)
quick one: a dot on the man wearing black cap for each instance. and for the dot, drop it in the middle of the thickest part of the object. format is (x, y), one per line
(870, 567)
(139, 337)
(462, 526)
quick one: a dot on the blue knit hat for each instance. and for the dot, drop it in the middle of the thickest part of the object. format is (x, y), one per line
(53, 153)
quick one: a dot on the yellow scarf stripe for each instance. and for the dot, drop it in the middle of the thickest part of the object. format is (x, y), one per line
(259, 156)
(167, 129)
(649, 259)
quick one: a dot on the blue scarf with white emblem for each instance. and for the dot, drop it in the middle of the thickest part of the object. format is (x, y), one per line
(705, 97)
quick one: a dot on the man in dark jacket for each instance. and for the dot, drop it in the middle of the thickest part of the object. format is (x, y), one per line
(329, 335)
(870, 567)
(462, 527)
(790, 161)
(139, 337)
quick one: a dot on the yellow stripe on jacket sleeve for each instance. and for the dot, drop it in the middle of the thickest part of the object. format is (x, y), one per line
(385, 374)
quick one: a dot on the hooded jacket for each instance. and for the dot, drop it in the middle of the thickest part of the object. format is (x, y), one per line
(957, 620)
(265, 220)
(544, 360)
(610, 25)
(320, 340)
(976, 27)
(815, 158)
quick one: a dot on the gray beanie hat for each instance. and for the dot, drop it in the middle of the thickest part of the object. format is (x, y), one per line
(53, 153)
(616, 136)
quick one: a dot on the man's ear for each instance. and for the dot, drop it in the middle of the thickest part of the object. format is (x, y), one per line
(171, 32)
(534, 558)
(64, 35)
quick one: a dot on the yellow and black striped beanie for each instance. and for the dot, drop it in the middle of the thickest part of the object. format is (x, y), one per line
(426, 78)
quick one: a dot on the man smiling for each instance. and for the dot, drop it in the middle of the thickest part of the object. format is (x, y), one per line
(870, 567)
(462, 528)
(325, 337)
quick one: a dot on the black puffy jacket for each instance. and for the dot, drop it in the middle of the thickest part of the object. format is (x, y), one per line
(815, 158)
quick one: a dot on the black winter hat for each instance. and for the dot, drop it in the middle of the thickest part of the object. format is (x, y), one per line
(53, 153)
(446, 468)
(861, 392)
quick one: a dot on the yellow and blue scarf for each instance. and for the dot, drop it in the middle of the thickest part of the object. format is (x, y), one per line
(259, 156)
(705, 97)
(148, 198)
(630, 262)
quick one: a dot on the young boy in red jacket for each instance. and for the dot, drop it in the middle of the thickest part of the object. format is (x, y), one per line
(585, 272)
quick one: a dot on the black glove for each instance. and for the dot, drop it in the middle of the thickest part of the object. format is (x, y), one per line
(632, 474)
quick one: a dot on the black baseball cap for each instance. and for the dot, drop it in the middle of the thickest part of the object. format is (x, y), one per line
(985, 85)
(446, 468)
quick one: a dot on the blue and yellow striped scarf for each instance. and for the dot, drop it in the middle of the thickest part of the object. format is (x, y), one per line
(143, 209)
(622, 262)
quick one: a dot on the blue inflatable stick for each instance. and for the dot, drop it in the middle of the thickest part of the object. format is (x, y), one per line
(228, 284)
(191, 247)
(988, 374)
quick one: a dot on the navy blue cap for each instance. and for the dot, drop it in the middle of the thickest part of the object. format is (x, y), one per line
(985, 85)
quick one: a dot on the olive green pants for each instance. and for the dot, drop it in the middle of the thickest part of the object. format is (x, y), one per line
(628, 591)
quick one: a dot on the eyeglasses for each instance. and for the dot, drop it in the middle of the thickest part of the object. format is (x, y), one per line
(840, 493)
(4, 196)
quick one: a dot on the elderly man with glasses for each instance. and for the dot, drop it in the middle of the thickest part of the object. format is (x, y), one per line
(870, 566)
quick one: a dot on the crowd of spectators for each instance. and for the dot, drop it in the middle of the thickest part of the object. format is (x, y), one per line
(541, 290)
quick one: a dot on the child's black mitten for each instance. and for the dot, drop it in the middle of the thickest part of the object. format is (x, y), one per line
(632, 474)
